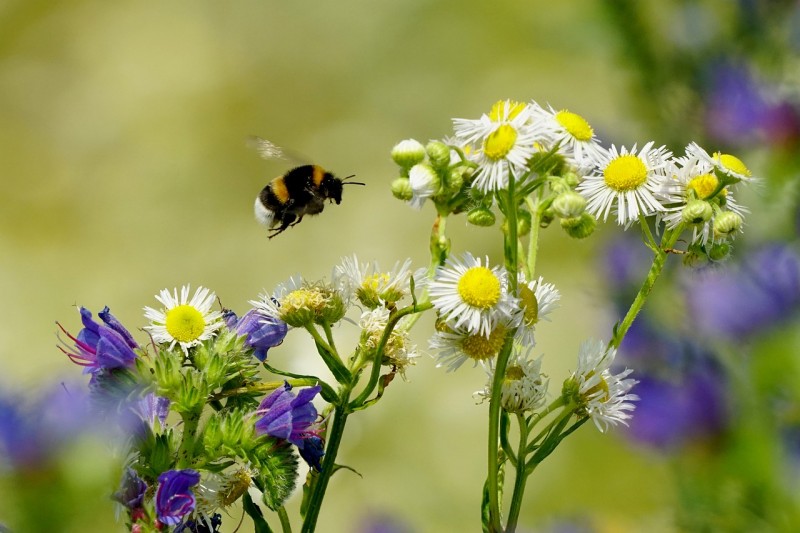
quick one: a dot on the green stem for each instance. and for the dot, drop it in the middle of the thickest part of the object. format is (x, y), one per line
(329, 356)
(533, 240)
(329, 336)
(667, 242)
(328, 463)
(191, 420)
(520, 476)
(566, 413)
(511, 263)
(376, 363)
(286, 525)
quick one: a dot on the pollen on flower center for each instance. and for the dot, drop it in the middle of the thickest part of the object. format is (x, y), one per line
(601, 387)
(185, 323)
(375, 281)
(575, 125)
(625, 173)
(479, 287)
(529, 304)
(514, 373)
(498, 110)
(732, 163)
(302, 299)
(480, 348)
(704, 185)
(500, 142)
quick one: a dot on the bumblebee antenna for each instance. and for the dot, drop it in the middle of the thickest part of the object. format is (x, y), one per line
(345, 182)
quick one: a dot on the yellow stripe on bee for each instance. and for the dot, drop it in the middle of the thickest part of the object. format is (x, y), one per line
(317, 175)
(278, 187)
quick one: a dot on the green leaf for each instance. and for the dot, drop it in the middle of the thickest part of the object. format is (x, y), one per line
(276, 463)
(485, 519)
(259, 524)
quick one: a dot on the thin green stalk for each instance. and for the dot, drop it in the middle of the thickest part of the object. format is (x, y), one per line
(543, 434)
(286, 525)
(329, 336)
(329, 356)
(533, 239)
(511, 262)
(521, 476)
(328, 463)
(376, 363)
(667, 242)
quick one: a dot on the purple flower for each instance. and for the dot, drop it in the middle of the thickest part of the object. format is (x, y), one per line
(101, 346)
(33, 432)
(262, 331)
(152, 407)
(289, 417)
(736, 107)
(131, 491)
(762, 292)
(672, 414)
(174, 499)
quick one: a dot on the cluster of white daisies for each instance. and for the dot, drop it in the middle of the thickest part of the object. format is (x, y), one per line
(631, 182)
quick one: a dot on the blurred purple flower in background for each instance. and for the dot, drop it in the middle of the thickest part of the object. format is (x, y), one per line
(35, 431)
(739, 302)
(263, 332)
(383, 523)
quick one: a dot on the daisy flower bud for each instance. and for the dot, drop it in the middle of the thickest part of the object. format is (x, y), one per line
(439, 153)
(697, 212)
(402, 190)
(408, 153)
(719, 251)
(727, 223)
(481, 216)
(580, 227)
(569, 205)
(424, 183)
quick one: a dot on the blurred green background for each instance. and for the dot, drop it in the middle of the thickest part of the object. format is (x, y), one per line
(125, 171)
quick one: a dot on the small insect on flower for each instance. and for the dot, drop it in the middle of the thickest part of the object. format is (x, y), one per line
(302, 191)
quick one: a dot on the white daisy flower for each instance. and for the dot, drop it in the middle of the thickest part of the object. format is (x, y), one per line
(506, 138)
(537, 300)
(726, 163)
(183, 321)
(524, 386)
(369, 284)
(631, 182)
(601, 395)
(217, 492)
(572, 133)
(398, 350)
(457, 346)
(692, 184)
(472, 296)
(424, 183)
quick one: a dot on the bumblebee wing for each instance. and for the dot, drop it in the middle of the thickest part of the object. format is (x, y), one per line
(266, 149)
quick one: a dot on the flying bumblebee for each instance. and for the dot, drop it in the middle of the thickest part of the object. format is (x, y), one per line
(302, 191)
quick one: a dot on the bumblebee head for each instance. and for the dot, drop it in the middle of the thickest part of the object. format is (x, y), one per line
(331, 186)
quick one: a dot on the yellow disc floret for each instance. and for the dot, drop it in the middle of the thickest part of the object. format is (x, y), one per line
(529, 304)
(480, 348)
(733, 163)
(599, 391)
(498, 110)
(625, 173)
(185, 323)
(575, 125)
(703, 185)
(500, 142)
(479, 287)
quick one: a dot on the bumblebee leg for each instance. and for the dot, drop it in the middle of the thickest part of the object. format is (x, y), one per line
(296, 222)
(287, 221)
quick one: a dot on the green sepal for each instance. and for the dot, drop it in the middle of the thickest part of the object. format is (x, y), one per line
(276, 463)
(259, 524)
(156, 455)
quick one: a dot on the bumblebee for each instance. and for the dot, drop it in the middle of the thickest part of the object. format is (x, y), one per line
(302, 191)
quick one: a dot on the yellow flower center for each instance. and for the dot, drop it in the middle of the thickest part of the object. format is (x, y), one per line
(500, 142)
(375, 281)
(514, 373)
(703, 185)
(575, 125)
(302, 299)
(479, 287)
(235, 487)
(529, 305)
(499, 108)
(480, 348)
(185, 323)
(601, 387)
(732, 163)
(625, 173)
